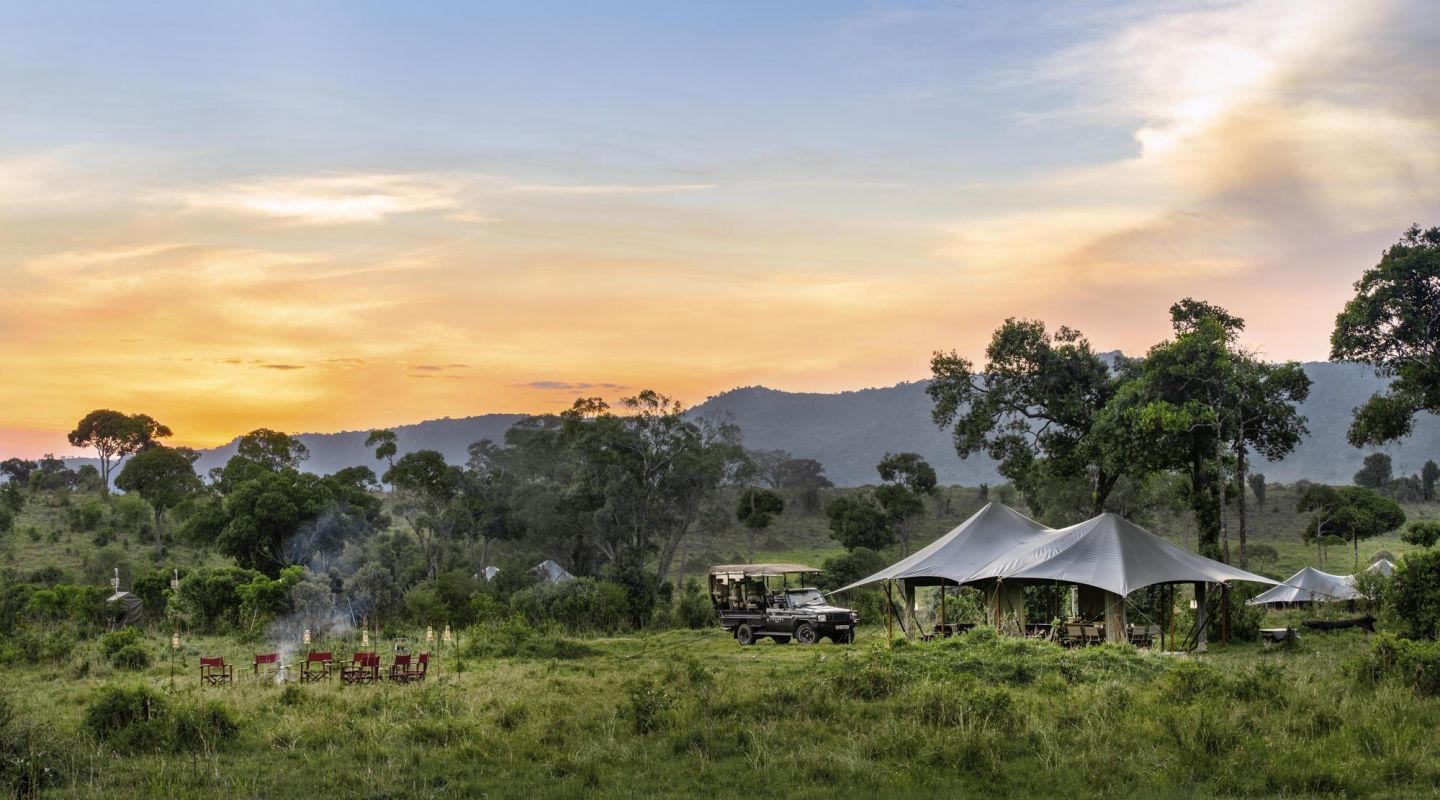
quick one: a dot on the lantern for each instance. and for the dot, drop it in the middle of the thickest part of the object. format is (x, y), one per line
(175, 640)
(306, 637)
(365, 637)
(446, 637)
(429, 635)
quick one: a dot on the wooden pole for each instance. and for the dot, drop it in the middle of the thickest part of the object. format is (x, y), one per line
(889, 612)
(943, 629)
(1225, 617)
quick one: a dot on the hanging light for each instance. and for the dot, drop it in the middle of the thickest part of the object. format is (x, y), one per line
(446, 637)
(429, 635)
(306, 637)
(175, 581)
(365, 637)
(175, 640)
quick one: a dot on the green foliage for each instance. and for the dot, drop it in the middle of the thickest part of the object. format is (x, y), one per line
(211, 597)
(139, 720)
(578, 604)
(273, 450)
(114, 436)
(1429, 474)
(164, 477)
(857, 522)
(7, 519)
(131, 657)
(1351, 513)
(1421, 532)
(1411, 663)
(694, 609)
(85, 516)
(757, 507)
(114, 641)
(1414, 593)
(1389, 324)
(277, 518)
(1376, 473)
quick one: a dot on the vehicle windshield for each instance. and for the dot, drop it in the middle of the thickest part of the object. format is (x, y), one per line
(805, 597)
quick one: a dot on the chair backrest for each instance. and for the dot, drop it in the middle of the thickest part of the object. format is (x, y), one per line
(218, 661)
(1074, 630)
(316, 657)
(402, 660)
(424, 659)
(1091, 630)
(267, 658)
(367, 659)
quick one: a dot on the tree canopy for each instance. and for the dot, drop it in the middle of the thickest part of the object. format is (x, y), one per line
(1393, 324)
(114, 435)
(163, 477)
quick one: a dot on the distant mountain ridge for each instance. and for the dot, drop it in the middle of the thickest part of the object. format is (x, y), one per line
(849, 432)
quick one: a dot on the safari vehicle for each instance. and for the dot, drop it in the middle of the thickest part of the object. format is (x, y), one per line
(751, 606)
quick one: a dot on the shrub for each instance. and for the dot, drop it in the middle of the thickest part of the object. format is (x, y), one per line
(113, 642)
(7, 519)
(578, 604)
(138, 719)
(118, 708)
(86, 516)
(695, 610)
(1422, 532)
(647, 704)
(131, 657)
(211, 596)
(1414, 593)
(1414, 664)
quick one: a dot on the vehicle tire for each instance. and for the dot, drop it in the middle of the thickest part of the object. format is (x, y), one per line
(781, 639)
(805, 633)
(744, 635)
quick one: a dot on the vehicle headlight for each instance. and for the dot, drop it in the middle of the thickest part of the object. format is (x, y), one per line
(821, 617)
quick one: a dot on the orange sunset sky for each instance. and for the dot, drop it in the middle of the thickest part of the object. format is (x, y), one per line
(344, 216)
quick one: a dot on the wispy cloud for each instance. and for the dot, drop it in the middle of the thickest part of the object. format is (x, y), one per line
(323, 200)
(566, 386)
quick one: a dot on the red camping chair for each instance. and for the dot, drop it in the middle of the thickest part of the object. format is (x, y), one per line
(214, 671)
(316, 667)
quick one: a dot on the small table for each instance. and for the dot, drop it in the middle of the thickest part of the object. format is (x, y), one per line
(1271, 636)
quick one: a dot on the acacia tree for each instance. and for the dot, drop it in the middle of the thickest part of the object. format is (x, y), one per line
(114, 435)
(755, 509)
(386, 446)
(272, 449)
(1350, 513)
(1393, 324)
(163, 477)
(1033, 409)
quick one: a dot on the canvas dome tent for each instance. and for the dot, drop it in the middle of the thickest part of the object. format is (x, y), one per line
(1306, 586)
(1107, 556)
(125, 609)
(1384, 566)
(948, 561)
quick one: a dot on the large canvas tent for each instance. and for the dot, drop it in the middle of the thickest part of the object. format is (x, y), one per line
(126, 609)
(1309, 585)
(1000, 551)
(989, 533)
(552, 572)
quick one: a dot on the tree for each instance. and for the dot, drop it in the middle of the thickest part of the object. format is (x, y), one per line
(769, 467)
(857, 522)
(1375, 474)
(1393, 324)
(805, 477)
(18, 470)
(908, 479)
(1265, 418)
(1422, 532)
(755, 509)
(1429, 474)
(386, 446)
(484, 509)
(163, 477)
(278, 518)
(425, 486)
(1257, 485)
(1351, 513)
(1414, 593)
(1037, 400)
(272, 449)
(114, 436)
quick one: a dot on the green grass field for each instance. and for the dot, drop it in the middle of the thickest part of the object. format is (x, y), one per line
(511, 713)
(689, 714)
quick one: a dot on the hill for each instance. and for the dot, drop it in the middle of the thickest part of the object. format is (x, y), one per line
(849, 432)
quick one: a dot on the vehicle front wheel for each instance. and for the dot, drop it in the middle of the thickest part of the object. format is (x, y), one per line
(805, 633)
(744, 635)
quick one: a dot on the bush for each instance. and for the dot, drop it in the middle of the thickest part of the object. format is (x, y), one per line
(115, 641)
(1413, 664)
(1414, 593)
(86, 516)
(136, 719)
(578, 604)
(7, 519)
(1422, 532)
(695, 609)
(131, 657)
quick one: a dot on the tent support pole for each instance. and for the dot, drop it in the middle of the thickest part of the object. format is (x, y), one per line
(1200, 617)
(943, 629)
(1225, 615)
(889, 610)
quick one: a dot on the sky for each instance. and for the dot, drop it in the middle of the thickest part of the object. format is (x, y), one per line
(318, 216)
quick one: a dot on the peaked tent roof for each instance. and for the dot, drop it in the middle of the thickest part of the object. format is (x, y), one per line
(1306, 585)
(552, 572)
(1111, 553)
(988, 533)
(1384, 566)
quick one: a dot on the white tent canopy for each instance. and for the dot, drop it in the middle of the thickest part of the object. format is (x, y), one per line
(990, 532)
(1111, 553)
(552, 572)
(1384, 566)
(1307, 585)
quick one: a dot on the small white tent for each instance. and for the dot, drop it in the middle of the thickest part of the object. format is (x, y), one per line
(1384, 566)
(1309, 585)
(552, 572)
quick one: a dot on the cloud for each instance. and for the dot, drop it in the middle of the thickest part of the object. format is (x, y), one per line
(566, 386)
(439, 367)
(281, 366)
(604, 189)
(348, 199)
